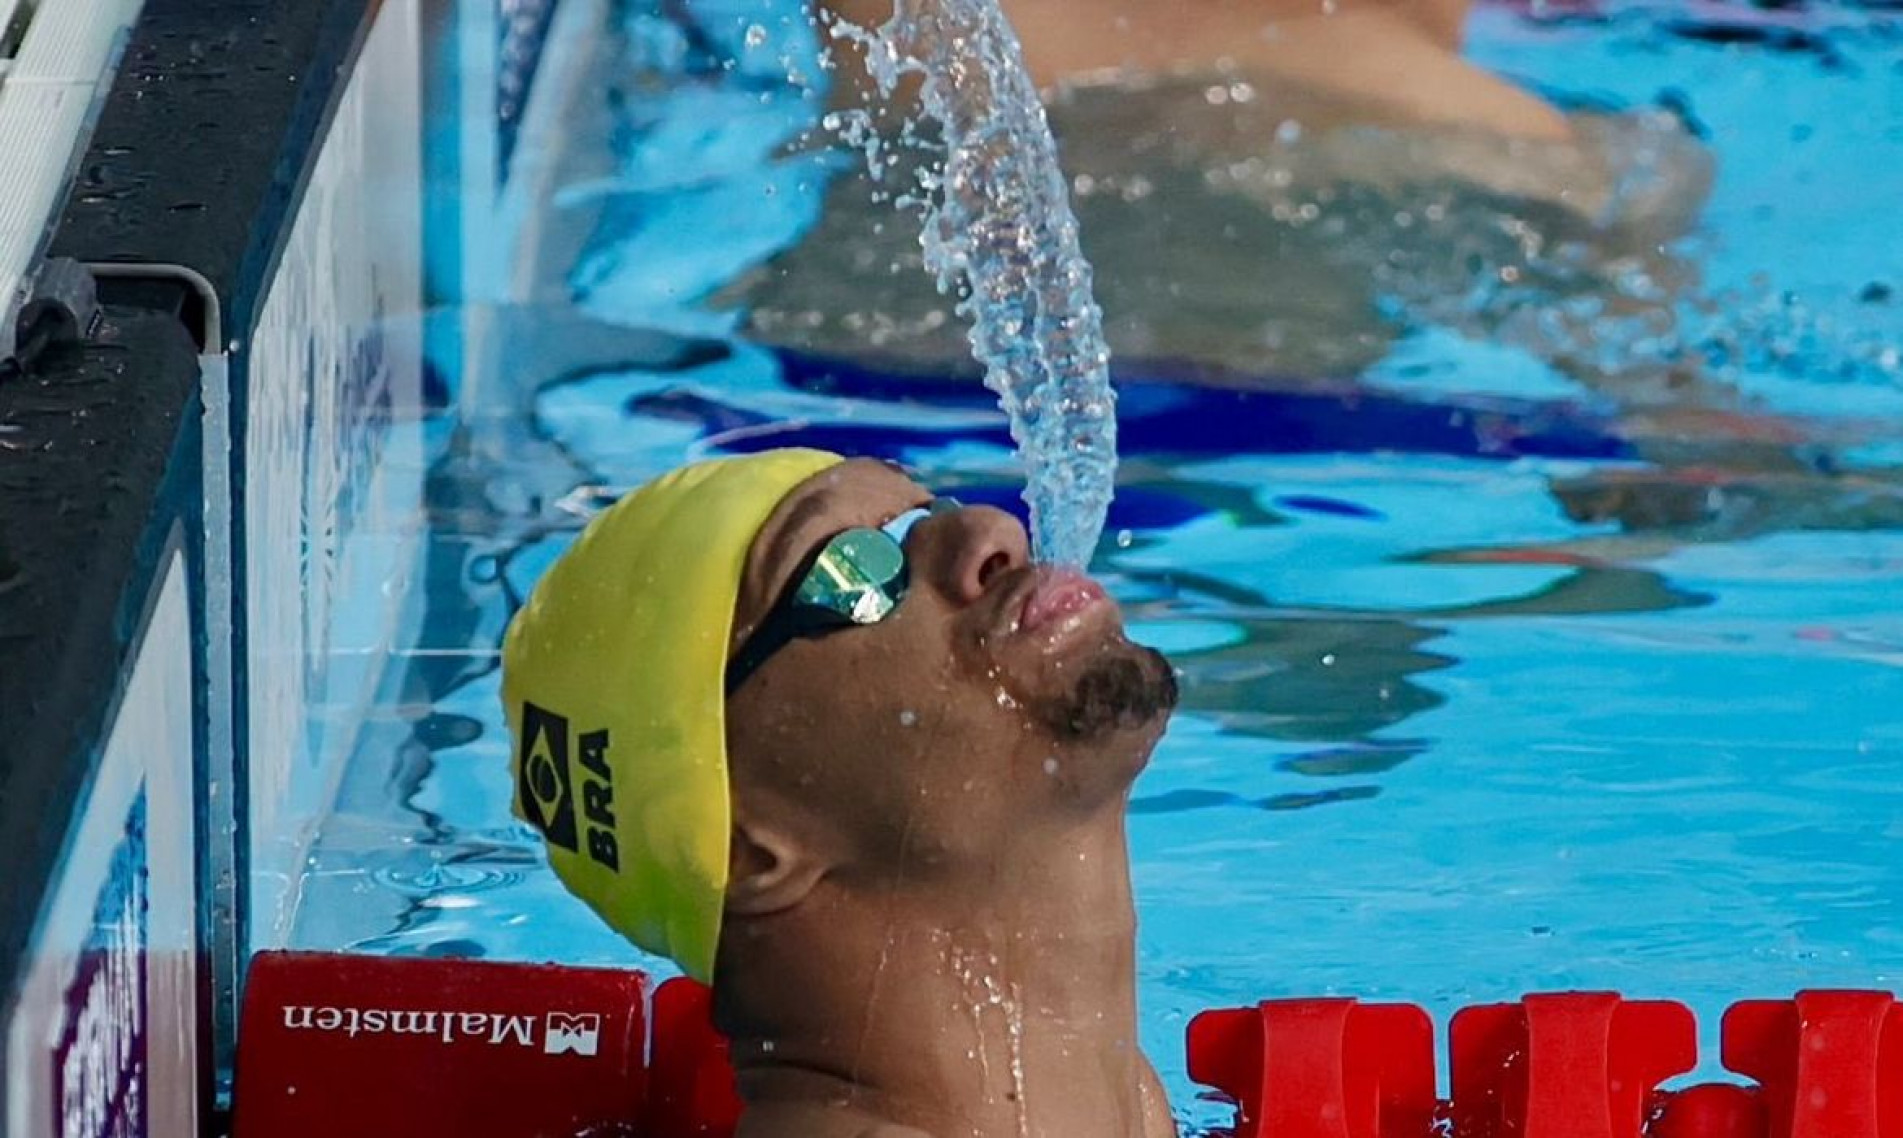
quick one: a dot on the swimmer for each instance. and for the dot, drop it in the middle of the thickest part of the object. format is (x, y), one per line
(837, 747)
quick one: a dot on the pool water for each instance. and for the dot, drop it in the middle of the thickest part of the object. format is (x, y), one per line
(1499, 675)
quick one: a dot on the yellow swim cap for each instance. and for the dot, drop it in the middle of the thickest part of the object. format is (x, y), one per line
(613, 678)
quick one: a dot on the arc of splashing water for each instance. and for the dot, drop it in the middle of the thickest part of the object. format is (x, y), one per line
(999, 233)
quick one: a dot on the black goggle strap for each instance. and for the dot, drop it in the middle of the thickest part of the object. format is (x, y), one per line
(786, 624)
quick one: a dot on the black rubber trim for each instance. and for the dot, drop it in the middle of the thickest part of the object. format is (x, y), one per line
(199, 159)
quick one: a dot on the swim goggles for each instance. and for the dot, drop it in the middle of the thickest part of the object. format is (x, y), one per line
(858, 577)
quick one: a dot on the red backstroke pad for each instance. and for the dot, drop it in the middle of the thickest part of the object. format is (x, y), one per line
(376, 1047)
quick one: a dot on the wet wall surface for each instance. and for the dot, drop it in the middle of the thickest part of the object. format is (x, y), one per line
(198, 160)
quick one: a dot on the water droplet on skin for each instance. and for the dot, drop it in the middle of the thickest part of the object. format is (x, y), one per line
(1005, 701)
(1050, 767)
(908, 718)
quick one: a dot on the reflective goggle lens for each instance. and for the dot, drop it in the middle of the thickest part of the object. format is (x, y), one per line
(859, 577)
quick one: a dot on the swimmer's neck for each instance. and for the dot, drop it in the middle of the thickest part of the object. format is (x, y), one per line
(984, 1008)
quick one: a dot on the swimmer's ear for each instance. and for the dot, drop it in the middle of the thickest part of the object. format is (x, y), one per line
(769, 871)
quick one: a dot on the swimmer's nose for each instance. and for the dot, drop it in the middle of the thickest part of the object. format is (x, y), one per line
(963, 552)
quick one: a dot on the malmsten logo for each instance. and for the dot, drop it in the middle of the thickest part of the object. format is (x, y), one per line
(557, 1033)
(578, 1033)
(545, 785)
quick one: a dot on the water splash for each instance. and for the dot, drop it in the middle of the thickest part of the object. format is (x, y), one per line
(999, 234)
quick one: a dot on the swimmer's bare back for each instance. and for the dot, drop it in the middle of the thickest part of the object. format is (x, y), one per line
(1359, 62)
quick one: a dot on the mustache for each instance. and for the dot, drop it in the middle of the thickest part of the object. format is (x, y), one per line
(1116, 693)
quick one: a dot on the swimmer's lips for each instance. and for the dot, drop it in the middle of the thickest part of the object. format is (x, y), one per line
(1057, 594)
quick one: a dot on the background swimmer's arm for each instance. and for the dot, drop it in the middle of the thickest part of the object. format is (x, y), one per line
(1394, 62)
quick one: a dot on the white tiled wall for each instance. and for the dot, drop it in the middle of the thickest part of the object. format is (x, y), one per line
(117, 938)
(332, 495)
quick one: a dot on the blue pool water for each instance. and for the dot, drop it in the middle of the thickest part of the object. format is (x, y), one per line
(1500, 675)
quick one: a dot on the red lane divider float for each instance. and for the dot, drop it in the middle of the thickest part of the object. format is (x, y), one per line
(1328, 1068)
(1577, 1065)
(380, 1046)
(1568, 1066)
(1830, 1063)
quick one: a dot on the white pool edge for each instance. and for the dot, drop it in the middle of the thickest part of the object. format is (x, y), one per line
(48, 95)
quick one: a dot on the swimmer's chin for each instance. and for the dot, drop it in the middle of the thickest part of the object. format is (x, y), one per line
(1122, 695)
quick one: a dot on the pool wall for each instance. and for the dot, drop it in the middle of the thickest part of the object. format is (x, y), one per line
(213, 507)
(333, 462)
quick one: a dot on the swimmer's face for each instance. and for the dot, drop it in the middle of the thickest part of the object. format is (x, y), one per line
(995, 693)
